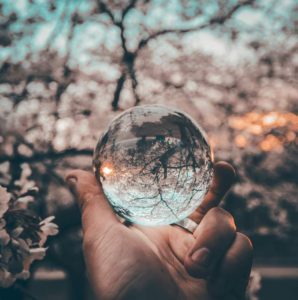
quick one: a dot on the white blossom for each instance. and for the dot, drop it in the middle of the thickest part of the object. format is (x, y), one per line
(16, 232)
(37, 253)
(47, 229)
(22, 202)
(24, 182)
(4, 237)
(17, 237)
(25, 274)
(4, 199)
(2, 223)
(6, 278)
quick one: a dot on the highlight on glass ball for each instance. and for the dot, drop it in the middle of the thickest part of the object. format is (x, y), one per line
(154, 164)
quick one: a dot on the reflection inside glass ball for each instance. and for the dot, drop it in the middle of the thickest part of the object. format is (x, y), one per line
(154, 165)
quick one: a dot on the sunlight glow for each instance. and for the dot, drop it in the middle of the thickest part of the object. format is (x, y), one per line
(107, 170)
(241, 141)
(275, 128)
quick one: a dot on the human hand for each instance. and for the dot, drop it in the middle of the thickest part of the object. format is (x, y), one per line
(166, 262)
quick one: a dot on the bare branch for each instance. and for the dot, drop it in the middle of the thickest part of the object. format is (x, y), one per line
(122, 36)
(121, 25)
(119, 86)
(134, 81)
(60, 23)
(104, 9)
(127, 58)
(131, 5)
(215, 20)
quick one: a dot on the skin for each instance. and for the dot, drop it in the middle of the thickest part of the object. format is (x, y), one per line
(167, 262)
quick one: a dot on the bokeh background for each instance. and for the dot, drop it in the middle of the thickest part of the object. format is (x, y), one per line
(67, 67)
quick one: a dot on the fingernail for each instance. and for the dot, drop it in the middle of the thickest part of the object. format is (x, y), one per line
(72, 181)
(202, 257)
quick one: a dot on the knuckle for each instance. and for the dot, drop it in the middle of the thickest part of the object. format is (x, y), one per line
(240, 257)
(245, 241)
(216, 191)
(219, 213)
(222, 221)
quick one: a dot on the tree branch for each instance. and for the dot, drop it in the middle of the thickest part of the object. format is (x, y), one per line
(104, 9)
(215, 20)
(119, 86)
(127, 58)
(131, 5)
(122, 36)
(134, 86)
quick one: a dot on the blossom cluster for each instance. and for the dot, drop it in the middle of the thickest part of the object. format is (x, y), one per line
(22, 235)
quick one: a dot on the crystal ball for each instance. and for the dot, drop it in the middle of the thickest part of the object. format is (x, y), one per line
(154, 164)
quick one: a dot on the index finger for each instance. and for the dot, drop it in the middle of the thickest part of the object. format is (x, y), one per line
(224, 177)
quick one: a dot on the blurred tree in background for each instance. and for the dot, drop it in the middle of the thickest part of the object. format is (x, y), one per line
(68, 67)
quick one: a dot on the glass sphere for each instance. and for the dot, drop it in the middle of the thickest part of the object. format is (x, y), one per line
(154, 164)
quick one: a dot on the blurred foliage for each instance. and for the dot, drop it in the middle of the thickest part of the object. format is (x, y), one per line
(68, 67)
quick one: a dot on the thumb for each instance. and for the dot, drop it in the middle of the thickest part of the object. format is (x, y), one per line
(96, 211)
